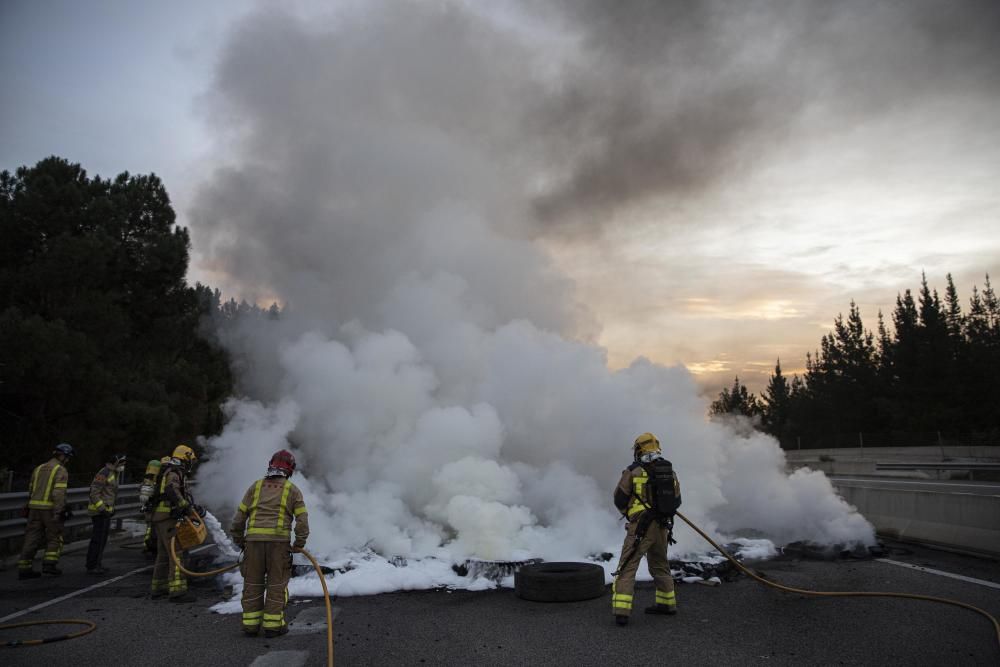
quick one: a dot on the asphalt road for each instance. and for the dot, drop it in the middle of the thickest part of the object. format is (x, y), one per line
(737, 623)
(974, 488)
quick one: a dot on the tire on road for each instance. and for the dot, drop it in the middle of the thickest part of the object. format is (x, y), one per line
(559, 582)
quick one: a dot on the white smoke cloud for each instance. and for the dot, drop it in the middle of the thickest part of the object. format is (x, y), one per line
(431, 371)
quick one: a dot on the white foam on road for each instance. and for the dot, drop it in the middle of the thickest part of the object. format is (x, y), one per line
(941, 573)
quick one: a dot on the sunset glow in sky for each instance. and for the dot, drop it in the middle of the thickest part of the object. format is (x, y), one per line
(719, 180)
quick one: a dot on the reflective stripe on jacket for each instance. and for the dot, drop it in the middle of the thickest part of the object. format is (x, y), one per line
(632, 493)
(103, 492)
(173, 493)
(267, 512)
(48, 487)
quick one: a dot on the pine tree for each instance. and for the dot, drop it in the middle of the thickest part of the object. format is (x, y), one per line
(737, 401)
(776, 403)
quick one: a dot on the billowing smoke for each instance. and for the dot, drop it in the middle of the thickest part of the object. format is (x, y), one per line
(432, 369)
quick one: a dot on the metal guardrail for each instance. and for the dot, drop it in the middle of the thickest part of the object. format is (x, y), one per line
(11, 505)
(937, 466)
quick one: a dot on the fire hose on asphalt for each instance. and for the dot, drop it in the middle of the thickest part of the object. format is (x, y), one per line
(329, 612)
(319, 573)
(801, 591)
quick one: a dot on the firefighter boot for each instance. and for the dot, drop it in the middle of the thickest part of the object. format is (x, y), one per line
(665, 609)
(276, 632)
(28, 574)
(621, 620)
(50, 568)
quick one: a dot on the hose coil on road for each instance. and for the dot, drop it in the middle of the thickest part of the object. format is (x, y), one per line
(802, 591)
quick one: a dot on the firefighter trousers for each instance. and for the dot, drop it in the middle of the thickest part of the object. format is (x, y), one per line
(654, 547)
(43, 529)
(266, 569)
(167, 578)
(98, 539)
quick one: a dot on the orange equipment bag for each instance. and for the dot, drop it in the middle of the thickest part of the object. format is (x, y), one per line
(191, 532)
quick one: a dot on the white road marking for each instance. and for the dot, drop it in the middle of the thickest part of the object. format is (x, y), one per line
(929, 570)
(281, 658)
(311, 621)
(101, 584)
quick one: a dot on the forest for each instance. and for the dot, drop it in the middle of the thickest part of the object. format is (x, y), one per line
(931, 376)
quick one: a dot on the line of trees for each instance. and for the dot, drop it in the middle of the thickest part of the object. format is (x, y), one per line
(100, 335)
(935, 369)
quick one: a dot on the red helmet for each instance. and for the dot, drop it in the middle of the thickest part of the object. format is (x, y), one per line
(283, 460)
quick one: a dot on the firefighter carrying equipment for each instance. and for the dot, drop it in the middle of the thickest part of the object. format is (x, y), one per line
(649, 529)
(172, 502)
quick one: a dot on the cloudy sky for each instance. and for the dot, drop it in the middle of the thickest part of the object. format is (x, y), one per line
(718, 180)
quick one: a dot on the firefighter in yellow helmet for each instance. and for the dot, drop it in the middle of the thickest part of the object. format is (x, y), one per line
(172, 501)
(647, 494)
(46, 513)
(262, 528)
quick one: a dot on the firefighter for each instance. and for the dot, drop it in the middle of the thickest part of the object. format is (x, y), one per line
(262, 528)
(147, 491)
(632, 498)
(47, 512)
(171, 502)
(103, 494)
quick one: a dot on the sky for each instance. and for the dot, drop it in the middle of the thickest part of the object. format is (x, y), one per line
(715, 181)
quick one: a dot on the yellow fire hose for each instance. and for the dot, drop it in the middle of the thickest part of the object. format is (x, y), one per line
(801, 591)
(319, 573)
(91, 626)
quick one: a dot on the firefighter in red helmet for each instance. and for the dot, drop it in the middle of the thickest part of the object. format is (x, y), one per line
(262, 528)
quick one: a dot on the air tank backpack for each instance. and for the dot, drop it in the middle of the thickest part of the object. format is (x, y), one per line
(664, 491)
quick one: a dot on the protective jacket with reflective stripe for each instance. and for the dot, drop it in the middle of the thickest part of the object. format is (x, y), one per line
(632, 495)
(48, 487)
(103, 492)
(172, 493)
(267, 511)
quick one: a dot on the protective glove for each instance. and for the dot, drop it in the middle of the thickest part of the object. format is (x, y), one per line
(177, 513)
(240, 541)
(24, 511)
(298, 547)
(199, 510)
(66, 513)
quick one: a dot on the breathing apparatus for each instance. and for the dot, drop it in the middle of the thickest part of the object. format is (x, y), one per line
(148, 486)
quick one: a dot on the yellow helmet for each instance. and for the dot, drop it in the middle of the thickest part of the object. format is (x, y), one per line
(645, 444)
(184, 454)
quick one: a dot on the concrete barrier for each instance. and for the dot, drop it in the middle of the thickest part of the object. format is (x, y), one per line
(957, 520)
(861, 461)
